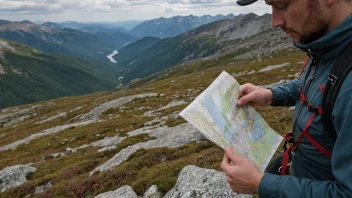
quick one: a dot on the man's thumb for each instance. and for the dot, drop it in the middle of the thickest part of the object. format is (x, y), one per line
(232, 155)
(245, 99)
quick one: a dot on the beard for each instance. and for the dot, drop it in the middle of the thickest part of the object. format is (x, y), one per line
(315, 27)
(317, 24)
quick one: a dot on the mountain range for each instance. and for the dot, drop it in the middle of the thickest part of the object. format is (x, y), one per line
(136, 58)
(63, 41)
(88, 28)
(106, 26)
(160, 27)
(170, 27)
(245, 34)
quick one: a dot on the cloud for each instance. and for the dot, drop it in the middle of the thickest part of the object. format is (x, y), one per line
(122, 9)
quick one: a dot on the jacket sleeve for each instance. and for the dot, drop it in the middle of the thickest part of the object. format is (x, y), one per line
(290, 186)
(285, 94)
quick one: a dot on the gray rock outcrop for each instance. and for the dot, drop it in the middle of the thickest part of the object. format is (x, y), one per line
(43, 188)
(123, 192)
(152, 192)
(13, 176)
(108, 141)
(170, 105)
(105, 149)
(96, 112)
(61, 115)
(271, 67)
(45, 132)
(171, 137)
(194, 182)
(14, 116)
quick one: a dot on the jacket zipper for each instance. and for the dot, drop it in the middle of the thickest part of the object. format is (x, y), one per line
(306, 86)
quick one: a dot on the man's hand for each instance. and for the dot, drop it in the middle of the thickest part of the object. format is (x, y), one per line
(242, 175)
(254, 96)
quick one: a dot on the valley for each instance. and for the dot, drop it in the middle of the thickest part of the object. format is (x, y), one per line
(98, 117)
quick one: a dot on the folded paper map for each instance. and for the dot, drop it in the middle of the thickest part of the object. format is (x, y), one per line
(216, 114)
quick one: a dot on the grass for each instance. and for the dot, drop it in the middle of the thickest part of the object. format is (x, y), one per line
(159, 166)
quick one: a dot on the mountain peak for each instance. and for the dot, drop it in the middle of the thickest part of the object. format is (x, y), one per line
(170, 27)
(4, 22)
(26, 22)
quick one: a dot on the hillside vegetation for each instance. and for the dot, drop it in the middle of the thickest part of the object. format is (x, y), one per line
(69, 173)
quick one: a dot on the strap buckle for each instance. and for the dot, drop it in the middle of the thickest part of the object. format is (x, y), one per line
(288, 139)
(288, 168)
(333, 79)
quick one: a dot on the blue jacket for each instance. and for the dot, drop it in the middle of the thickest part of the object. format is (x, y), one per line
(314, 174)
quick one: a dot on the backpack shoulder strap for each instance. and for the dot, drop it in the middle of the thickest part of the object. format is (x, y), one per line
(337, 75)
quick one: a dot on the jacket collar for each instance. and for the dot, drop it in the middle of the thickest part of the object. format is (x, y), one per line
(332, 44)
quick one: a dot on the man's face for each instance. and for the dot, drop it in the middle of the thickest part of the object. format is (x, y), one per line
(303, 20)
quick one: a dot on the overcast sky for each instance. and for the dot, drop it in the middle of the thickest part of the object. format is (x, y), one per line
(119, 10)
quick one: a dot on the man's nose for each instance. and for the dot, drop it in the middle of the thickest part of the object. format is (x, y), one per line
(277, 19)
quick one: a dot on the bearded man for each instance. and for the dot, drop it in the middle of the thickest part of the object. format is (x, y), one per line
(321, 164)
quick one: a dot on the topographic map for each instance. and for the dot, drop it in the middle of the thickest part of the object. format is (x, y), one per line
(216, 114)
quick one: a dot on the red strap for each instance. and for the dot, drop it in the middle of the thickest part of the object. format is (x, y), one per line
(285, 161)
(305, 131)
(295, 146)
(303, 99)
(320, 110)
(304, 65)
(318, 146)
(299, 140)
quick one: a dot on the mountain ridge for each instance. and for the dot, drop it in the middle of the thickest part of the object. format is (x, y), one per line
(64, 41)
(169, 27)
(209, 40)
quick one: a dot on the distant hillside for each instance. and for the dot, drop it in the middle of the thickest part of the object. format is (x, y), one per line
(100, 28)
(247, 35)
(170, 27)
(122, 26)
(28, 75)
(63, 41)
(73, 24)
(128, 25)
(53, 25)
(128, 55)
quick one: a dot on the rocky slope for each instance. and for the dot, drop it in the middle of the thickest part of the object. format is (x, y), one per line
(130, 141)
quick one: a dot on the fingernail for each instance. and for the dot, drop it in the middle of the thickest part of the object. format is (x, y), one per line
(239, 102)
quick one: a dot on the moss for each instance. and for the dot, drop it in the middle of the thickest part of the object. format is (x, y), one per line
(174, 122)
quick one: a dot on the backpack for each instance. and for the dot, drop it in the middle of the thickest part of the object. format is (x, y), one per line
(337, 75)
